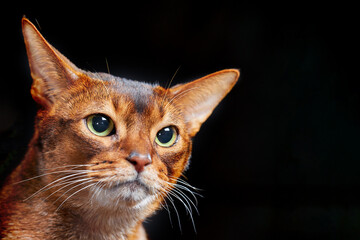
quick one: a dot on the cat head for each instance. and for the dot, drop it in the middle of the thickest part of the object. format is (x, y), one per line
(109, 139)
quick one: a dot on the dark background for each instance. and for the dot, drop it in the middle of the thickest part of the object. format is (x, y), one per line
(278, 159)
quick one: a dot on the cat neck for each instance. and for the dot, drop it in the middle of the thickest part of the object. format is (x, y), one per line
(103, 224)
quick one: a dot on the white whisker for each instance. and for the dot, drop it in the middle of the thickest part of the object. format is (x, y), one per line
(73, 166)
(74, 194)
(186, 204)
(166, 207)
(189, 191)
(176, 211)
(179, 180)
(187, 199)
(90, 180)
(56, 172)
(176, 190)
(67, 184)
(188, 210)
(53, 182)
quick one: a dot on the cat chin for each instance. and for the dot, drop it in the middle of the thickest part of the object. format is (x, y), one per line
(128, 194)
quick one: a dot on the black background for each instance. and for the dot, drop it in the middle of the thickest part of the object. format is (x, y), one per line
(278, 159)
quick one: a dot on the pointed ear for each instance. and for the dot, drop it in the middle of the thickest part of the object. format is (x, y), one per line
(199, 98)
(51, 71)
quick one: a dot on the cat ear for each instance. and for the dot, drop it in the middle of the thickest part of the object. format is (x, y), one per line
(199, 98)
(51, 71)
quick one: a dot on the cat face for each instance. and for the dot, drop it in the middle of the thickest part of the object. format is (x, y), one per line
(128, 137)
(110, 141)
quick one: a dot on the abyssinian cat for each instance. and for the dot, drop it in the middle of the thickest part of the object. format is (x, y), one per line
(106, 151)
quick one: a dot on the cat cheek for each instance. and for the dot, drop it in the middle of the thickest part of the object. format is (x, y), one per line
(174, 161)
(105, 159)
(158, 169)
(162, 171)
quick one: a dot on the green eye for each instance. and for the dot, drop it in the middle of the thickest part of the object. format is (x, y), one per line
(100, 125)
(166, 137)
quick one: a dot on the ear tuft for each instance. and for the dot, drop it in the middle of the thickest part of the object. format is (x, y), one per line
(50, 70)
(199, 98)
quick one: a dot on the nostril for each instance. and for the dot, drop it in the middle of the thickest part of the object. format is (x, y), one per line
(139, 160)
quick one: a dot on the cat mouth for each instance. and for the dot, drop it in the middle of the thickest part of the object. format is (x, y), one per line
(132, 192)
(130, 185)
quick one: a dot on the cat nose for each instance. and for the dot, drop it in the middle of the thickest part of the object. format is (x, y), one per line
(140, 161)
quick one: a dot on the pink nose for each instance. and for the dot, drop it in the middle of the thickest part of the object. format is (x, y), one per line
(140, 161)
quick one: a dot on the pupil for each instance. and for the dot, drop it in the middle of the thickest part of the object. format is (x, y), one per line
(100, 123)
(165, 135)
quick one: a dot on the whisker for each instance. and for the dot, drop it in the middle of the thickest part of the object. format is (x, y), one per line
(179, 180)
(66, 185)
(176, 211)
(107, 65)
(173, 193)
(187, 199)
(186, 205)
(168, 86)
(48, 185)
(74, 194)
(107, 90)
(99, 186)
(186, 187)
(45, 174)
(72, 179)
(189, 191)
(74, 166)
(175, 190)
(166, 206)
(90, 180)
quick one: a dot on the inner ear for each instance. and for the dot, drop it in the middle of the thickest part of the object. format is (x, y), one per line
(198, 99)
(51, 71)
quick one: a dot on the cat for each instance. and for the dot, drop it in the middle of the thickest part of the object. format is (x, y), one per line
(106, 151)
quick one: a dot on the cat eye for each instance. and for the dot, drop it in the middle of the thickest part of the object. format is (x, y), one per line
(100, 125)
(166, 137)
